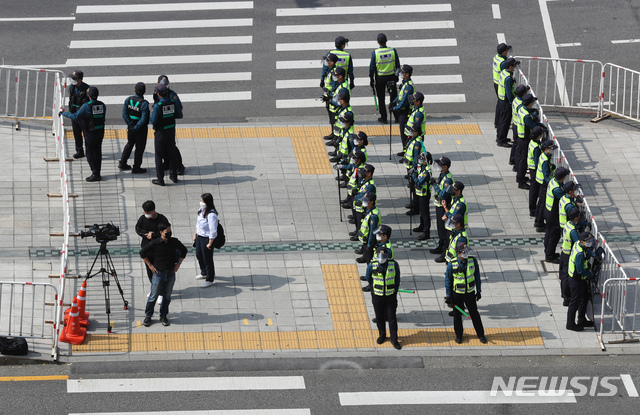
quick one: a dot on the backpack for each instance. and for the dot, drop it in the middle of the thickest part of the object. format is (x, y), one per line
(220, 239)
(14, 346)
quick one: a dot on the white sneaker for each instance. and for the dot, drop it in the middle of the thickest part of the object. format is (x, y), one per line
(200, 277)
(206, 284)
(159, 300)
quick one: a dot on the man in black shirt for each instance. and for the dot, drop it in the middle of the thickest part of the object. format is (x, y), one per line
(168, 254)
(147, 228)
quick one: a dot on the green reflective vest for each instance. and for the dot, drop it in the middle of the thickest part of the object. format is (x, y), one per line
(353, 179)
(334, 106)
(343, 59)
(363, 232)
(544, 157)
(564, 201)
(363, 186)
(497, 61)
(517, 101)
(403, 90)
(327, 89)
(414, 145)
(412, 118)
(385, 60)
(550, 200)
(423, 171)
(575, 250)
(464, 280)
(502, 91)
(436, 198)
(384, 283)
(448, 224)
(453, 242)
(567, 242)
(531, 161)
(521, 112)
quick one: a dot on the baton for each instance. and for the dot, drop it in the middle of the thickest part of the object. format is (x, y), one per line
(462, 311)
(375, 98)
(406, 291)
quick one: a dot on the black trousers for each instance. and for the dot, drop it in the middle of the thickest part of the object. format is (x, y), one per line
(165, 146)
(497, 117)
(93, 142)
(137, 138)
(512, 152)
(468, 299)
(578, 302)
(385, 309)
(425, 219)
(357, 216)
(332, 115)
(443, 233)
(367, 253)
(541, 205)
(534, 192)
(504, 121)
(78, 127)
(167, 162)
(381, 87)
(564, 277)
(403, 116)
(553, 232)
(522, 145)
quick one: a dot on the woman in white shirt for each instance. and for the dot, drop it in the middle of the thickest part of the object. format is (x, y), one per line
(206, 232)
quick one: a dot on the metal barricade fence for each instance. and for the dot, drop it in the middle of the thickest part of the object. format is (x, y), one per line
(29, 309)
(620, 92)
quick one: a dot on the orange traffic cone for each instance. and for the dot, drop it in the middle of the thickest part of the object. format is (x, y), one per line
(73, 333)
(82, 300)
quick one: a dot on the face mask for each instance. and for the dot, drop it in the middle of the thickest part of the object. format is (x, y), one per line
(73, 82)
(437, 169)
(334, 78)
(148, 215)
(464, 255)
(168, 234)
(378, 237)
(588, 243)
(203, 205)
(356, 142)
(340, 125)
(382, 258)
(451, 190)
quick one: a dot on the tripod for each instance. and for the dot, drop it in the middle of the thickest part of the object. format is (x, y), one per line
(106, 270)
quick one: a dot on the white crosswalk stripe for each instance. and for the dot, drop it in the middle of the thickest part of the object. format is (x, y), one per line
(283, 411)
(161, 25)
(457, 397)
(159, 60)
(147, 8)
(160, 42)
(434, 67)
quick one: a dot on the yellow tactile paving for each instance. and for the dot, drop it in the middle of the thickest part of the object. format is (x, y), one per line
(351, 323)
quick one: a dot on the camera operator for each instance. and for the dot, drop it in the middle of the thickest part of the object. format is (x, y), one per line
(147, 228)
(166, 263)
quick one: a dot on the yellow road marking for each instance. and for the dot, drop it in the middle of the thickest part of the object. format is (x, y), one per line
(32, 378)
(269, 322)
(458, 141)
(440, 142)
(246, 321)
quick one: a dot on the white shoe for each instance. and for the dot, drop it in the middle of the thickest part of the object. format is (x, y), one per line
(206, 284)
(159, 300)
(200, 277)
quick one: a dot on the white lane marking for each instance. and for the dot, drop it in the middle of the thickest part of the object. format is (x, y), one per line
(34, 19)
(185, 384)
(564, 45)
(175, 78)
(448, 398)
(495, 9)
(626, 41)
(160, 60)
(629, 386)
(364, 63)
(366, 44)
(501, 38)
(161, 25)
(553, 51)
(368, 27)
(148, 8)
(314, 83)
(163, 41)
(337, 11)
(368, 101)
(195, 97)
(295, 411)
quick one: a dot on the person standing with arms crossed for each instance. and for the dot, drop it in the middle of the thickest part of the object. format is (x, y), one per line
(206, 232)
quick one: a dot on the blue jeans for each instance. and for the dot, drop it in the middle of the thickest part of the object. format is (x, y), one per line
(205, 258)
(162, 284)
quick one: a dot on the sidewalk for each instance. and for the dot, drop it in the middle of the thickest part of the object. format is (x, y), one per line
(287, 282)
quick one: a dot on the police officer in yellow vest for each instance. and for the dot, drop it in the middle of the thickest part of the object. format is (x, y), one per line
(458, 205)
(506, 94)
(135, 112)
(92, 114)
(533, 156)
(572, 198)
(326, 83)
(496, 65)
(382, 235)
(344, 59)
(357, 160)
(401, 106)
(521, 90)
(579, 274)
(544, 173)
(463, 283)
(369, 223)
(570, 235)
(343, 122)
(366, 184)
(383, 274)
(458, 235)
(555, 191)
(422, 193)
(443, 180)
(382, 72)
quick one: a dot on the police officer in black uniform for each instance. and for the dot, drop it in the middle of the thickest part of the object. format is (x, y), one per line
(77, 97)
(163, 119)
(92, 114)
(164, 80)
(135, 113)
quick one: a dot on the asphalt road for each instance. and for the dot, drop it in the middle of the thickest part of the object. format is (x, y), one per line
(451, 46)
(330, 386)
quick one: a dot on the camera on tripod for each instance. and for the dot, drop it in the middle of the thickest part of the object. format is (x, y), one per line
(103, 233)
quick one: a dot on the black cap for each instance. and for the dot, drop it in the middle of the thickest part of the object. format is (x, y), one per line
(457, 218)
(382, 38)
(363, 136)
(458, 186)
(344, 94)
(585, 236)
(407, 68)
(521, 90)
(162, 78)
(549, 144)
(462, 247)
(384, 230)
(359, 154)
(528, 99)
(370, 197)
(140, 88)
(444, 161)
(341, 41)
(162, 90)
(561, 173)
(570, 185)
(502, 47)
(369, 168)
(340, 71)
(511, 62)
(418, 96)
(573, 213)
(536, 131)
(347, 117)
(77, 74)
(332, 57)
(93, 92)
